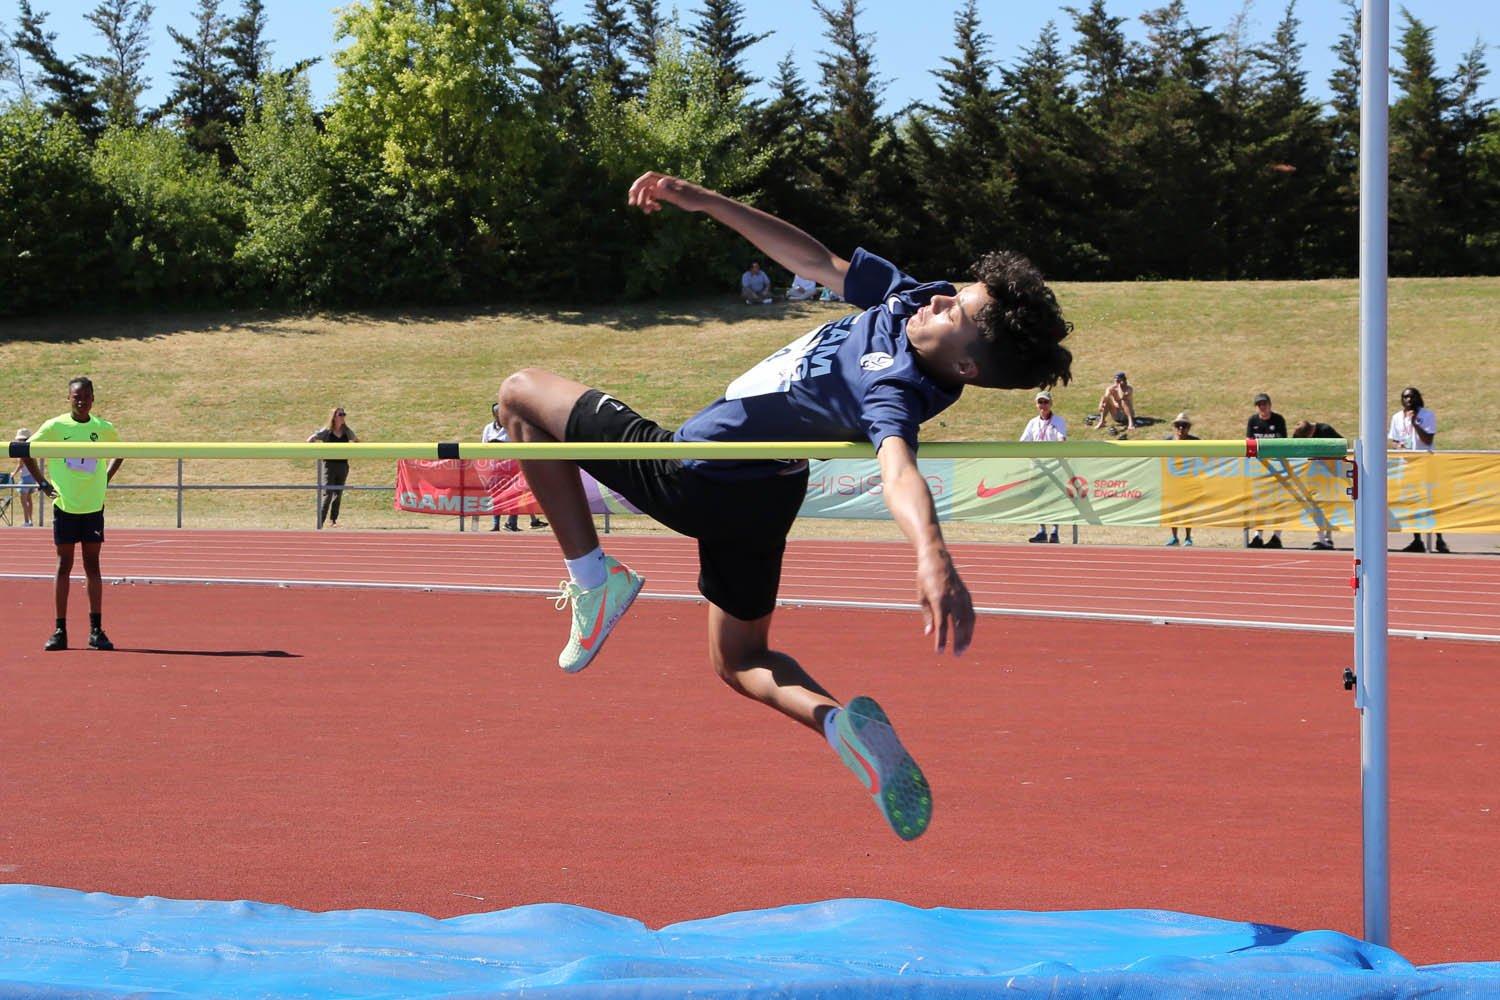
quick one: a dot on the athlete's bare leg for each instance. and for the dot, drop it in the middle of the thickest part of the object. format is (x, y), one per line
(537, 404)
(742, 656)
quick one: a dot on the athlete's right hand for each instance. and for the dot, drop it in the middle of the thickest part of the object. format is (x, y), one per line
(46, 487)
(651, 189)
(945, 603)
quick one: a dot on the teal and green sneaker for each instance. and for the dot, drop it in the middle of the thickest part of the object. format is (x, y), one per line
(873, 751)
(595, 612)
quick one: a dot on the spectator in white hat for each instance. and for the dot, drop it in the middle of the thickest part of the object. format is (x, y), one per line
(23, 477)
(1045, 426)
(1182, 430)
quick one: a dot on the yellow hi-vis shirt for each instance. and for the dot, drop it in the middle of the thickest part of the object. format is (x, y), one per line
(80, 482)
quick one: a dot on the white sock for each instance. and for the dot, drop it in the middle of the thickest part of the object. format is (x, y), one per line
(588, 569)
(830, 733)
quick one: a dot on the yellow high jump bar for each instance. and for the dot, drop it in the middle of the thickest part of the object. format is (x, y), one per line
(735, 450)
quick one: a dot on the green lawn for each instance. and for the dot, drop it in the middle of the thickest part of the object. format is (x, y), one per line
(1204, 347)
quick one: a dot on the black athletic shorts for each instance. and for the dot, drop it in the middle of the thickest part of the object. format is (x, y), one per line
(70, 528)
(741, 526)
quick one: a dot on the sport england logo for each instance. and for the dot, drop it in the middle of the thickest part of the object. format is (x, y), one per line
(1078, 488)
(876, 361)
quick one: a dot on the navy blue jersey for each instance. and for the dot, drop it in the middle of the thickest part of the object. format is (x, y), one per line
(850, 380)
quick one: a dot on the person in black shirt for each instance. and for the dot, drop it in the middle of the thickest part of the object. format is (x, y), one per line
(1308, 429)
(1265, 423)
(335, 470)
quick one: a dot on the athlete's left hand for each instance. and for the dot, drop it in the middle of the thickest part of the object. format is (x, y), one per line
(945, 603)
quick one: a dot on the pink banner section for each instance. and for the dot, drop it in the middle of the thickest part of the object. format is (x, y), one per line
(455, 486)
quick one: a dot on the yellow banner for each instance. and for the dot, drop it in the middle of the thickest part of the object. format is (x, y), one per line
(1451, 491)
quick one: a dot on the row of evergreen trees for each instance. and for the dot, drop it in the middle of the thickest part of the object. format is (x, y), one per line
(480, 149)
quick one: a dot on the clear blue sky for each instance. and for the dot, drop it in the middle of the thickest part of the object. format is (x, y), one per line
(907, 47)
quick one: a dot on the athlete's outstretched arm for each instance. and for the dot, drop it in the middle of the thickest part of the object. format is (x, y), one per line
(941, 592)
(783, 242)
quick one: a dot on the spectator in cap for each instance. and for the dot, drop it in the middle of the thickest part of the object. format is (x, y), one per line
(1309, 429)
(1117, 405)
(1265, 423)
(1414, 428)
(1182, 430)
(1045, 426)
(23, 477)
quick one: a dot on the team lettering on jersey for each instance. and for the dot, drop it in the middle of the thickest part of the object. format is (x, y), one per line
(809, 356)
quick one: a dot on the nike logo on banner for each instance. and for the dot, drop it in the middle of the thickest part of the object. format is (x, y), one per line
(992, 491)
(874, 782)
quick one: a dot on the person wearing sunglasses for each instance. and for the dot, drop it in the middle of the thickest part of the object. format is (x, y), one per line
(1414, 428)
(335, 470)
(1182, 430)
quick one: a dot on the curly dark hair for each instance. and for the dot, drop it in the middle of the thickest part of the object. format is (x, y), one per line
(1022, 329)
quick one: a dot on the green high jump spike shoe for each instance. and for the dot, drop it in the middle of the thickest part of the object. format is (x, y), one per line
(595, 612)
(873, 751)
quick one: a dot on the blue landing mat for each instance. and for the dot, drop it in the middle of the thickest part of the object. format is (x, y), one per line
(57, 943)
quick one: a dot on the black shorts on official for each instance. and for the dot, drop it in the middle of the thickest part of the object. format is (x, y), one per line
(68, 529)
(741, 526)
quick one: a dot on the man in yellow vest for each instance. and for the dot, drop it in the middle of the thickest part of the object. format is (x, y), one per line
(76, 487)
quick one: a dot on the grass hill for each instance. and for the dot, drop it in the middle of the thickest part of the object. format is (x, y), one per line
(1204, 347)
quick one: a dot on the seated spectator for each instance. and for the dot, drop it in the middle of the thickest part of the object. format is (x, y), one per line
(802, 289)
(1182, 426)
(755, 285)
(1265, 423)
(1117, 406)
(1045, 426)
(1414, 428)
(1308, 429)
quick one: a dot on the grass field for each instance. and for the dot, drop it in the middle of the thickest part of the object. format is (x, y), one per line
(1203, 347)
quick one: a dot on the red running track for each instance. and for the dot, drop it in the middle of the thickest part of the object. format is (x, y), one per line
(1441, 596)
(338, 747)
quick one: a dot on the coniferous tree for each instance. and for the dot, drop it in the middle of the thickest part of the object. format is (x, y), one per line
(1301, 230)
(1424, 234)
(605, 41)
(957, 152)
(855, 134)
(787, 129)
(720, 32)
(556, 88)
(1102, 54)
(1107, 66)
(70, 89)
(203, 100)
(646, 30)
(12, 68)
(249, 54)
(125, 26)
(1173, 134)
(1048, 144)
(1476, 192)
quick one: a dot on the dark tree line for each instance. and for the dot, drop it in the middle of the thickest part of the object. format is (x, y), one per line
(479, 150)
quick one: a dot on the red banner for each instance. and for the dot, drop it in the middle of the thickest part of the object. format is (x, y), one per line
(463, 486)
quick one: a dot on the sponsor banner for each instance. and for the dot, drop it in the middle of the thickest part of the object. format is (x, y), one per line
(1058, 490)
(483, 486)
(1446, 491)
(852, 488)
(1295, 494)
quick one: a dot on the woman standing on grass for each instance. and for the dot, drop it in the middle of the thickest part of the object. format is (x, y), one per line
(335, 470)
